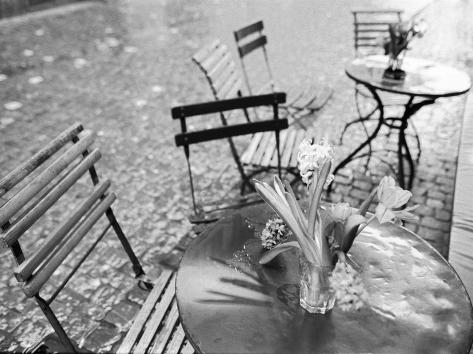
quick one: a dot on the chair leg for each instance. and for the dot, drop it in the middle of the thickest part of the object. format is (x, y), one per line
(65, 340)
(137, 268)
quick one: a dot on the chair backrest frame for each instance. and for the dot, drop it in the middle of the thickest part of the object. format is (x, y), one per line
(248, 39)
(185, 138)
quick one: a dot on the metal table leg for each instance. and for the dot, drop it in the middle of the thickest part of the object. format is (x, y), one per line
(369, 139)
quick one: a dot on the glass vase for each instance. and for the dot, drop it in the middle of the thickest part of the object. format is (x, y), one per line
(315, 293)
(394, 70)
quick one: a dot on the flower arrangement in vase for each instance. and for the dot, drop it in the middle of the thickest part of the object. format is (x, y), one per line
(324, 235)
(400, 35)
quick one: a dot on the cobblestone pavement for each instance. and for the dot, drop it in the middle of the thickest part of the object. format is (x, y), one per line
(119, 67)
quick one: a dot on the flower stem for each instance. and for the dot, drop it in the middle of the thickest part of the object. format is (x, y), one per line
(361, 228)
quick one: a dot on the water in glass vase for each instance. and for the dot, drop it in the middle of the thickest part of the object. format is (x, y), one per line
(315, 293)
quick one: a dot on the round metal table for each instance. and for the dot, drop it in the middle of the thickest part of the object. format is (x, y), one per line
(228, 303)
(425, 82)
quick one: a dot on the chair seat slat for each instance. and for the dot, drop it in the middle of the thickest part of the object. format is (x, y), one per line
(228, 75)
(286, 158)
(133, 334)
(232, 90)
(248, 154)
(259, 153)
(10, 180)
(33, 286)
(270, 148)
(221, 66)
(165, 333)
(209, 62)
(231, 85)
(282, 145)
(20, 226)
(176, 341)
(22, 197)
(154, 322)
(25, 269)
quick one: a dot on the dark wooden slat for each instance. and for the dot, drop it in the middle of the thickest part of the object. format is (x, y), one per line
(25, 269)
(373, 30)
(22, 197)
(20, 226)
(29, 166)
(377, 11)
(247, 48)
(32, 287)
(133, 334)
(176, 341)
(227, 105)
(183, 139)
(247, 30)
(374, 23)
(154, 322)
(164, 334)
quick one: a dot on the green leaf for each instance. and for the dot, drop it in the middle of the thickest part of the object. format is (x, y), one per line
(351, 227)
(283, 247)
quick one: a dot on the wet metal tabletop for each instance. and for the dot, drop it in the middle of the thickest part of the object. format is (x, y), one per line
(228, 303)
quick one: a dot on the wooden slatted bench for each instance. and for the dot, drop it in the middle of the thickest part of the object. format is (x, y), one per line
(156, 328)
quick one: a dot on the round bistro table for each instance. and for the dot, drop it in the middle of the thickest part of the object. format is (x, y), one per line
(228, 303)
(424, 83)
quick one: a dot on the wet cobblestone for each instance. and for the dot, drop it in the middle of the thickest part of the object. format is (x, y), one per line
(119, 67)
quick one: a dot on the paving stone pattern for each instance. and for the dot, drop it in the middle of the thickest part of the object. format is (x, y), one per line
(119, 67)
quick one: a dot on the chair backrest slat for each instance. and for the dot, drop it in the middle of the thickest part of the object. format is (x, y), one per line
(21, 225)
(26, 269)
(249, 47)
(37, 280)
(229, 131)
(45, 177)
(227, 105)
(29, 166)
(248, 30)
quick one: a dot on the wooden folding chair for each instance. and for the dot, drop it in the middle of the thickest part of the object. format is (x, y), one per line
(301, 100)
(371, 28)
(33, 189)
(271, 154)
